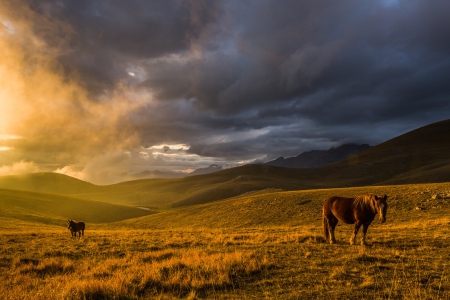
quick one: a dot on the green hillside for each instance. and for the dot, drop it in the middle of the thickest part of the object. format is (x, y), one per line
(228, 183)
(53, 183)
(52, 209)
(270, 208)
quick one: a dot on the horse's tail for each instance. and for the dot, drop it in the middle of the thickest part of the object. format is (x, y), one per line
(326, 233)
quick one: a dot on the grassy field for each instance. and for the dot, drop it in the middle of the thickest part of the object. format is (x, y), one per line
(261, 245)
(402, 262)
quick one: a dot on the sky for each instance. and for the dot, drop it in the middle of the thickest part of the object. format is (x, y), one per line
(98, 89)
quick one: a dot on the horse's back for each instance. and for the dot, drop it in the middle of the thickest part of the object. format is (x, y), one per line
(334, 201)
(81, 226)
(340, 207)
(77, 226)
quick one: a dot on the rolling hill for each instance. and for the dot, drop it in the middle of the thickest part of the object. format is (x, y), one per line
(270, 208)
(53, 183)
(419, 156)
(52, 209)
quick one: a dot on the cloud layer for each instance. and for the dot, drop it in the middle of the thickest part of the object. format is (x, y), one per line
(97, 89)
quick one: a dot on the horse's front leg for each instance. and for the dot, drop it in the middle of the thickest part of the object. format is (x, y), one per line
(355, 232)
(363, 239)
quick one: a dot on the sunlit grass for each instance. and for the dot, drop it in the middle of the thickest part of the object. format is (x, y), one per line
(247, 263)
(127, 267)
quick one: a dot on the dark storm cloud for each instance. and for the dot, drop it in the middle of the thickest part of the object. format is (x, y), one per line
(109, 35)
(290, 76)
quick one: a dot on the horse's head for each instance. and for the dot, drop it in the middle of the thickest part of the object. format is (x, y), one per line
(69, 224)
(382, 207)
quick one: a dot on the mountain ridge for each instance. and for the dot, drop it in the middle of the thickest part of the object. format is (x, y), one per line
(319, 158)
(202, 171)
(153, 174)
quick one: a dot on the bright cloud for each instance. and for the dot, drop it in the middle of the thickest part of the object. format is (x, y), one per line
(21, 167)
(9, 137)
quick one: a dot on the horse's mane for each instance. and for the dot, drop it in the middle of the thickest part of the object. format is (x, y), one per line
(365, 202)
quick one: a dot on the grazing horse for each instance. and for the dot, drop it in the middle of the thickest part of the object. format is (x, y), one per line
(359, 211)
(75, 227)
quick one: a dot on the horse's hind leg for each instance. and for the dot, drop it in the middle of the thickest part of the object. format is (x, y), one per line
(363, 239)
(332, 222)
(355, 232)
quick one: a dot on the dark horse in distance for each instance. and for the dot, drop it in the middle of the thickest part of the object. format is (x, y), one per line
(75, 227)
(358, 211)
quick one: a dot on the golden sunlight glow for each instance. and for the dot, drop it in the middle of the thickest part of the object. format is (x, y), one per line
(9, 137)
(9, 89)
(46, 110)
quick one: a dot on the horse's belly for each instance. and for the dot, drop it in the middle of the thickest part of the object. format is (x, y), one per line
(345, 218)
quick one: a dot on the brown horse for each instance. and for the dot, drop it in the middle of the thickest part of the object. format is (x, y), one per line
(359, 211)
(75, 227)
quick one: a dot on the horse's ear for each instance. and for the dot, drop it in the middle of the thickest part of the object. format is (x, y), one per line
(376, 197)
(385, 197)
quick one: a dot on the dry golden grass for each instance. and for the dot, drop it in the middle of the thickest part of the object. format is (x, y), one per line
(404, 261)
(121, 265)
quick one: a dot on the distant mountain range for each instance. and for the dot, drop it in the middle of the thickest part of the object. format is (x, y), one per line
(202, 171)
(318, 158)
(159, 174)
(310, 159)
(153, 174)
